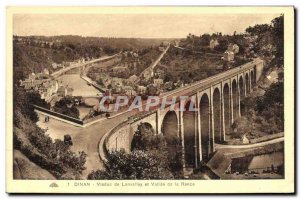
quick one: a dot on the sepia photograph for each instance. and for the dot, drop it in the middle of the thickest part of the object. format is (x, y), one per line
(122, 98)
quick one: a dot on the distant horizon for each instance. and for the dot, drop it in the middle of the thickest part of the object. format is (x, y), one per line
(99, 36)
(135, 25)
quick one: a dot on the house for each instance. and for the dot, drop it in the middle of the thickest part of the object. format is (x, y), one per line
(54, 65)
(42, 84)
(34, 80)
(60, 66)
(148, 73)
(141, 89)
(64, 91)
(117, 89)
(168, 86)
(159, 73)
(158, 82)
(176, 43)
(46, 71)
(228, 56)
(135, 55)
(116, 82)
(129, 91)
(213, 43)
(234, 48)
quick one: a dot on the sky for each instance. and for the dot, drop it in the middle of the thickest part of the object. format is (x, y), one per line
(134, 25)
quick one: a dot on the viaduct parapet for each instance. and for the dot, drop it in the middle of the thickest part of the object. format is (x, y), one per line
(217, 103)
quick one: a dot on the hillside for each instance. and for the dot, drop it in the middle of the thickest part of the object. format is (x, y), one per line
(23, 168)
(34, 53)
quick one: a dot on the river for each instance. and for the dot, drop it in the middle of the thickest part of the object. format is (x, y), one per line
(81, 88)
(266, 160)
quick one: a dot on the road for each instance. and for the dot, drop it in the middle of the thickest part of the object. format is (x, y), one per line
(248, 146)
(61, 71)
(87, 139)
(84, 139)
(154, 64)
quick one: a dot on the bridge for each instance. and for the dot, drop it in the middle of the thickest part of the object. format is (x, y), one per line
(81, 66)
(217, 101)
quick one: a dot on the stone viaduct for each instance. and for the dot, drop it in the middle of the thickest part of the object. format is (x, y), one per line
(217, 101)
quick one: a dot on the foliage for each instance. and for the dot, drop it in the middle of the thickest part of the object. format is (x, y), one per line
(223, 44)
(24, 102)
(185, 66)
(134, 165)
(274, 95)
(66, 106)
(35, 53)
(258, 29)
(264, 115)
(56, 157)
(268, 36)
(205, 39)
(151, 158)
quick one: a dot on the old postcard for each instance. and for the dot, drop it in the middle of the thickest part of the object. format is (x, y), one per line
(150, 100)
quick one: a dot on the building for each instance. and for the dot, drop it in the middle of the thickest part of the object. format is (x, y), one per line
(234, 48)
(129, 91)
(158, 73)
(176, 43)
(228, 56)
(64, 91)
(148, 73)
(245, 140)
(54, 65)
(213, 43)
(47, 89)
(116, 81)
(46, 71)
(135, 55)
(141, 89)
(158, 82)
(41, 83)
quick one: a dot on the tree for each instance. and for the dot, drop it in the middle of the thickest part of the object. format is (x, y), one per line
(65, 106)
(152, 90)
(149, 159)
(205, 39)
(278, 33)
(25, 100)
(134, 165)
(223, 44)
(273, 95)
(258, 29)
(168, 78)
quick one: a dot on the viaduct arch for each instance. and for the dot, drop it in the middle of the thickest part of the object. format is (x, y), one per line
(218, 105)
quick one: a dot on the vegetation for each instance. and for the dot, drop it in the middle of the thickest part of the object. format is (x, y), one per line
(66, 106)
(264, 114)
(135, 65)
(54, 156)
(34, 53)
(149, 159)
(201, 43)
